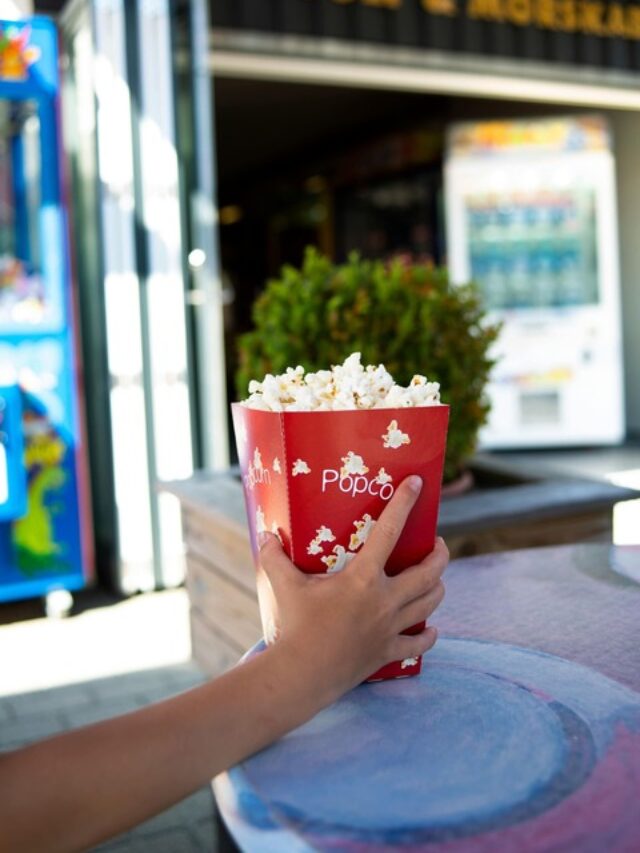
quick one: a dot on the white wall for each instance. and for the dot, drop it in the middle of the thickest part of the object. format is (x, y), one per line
(626, 130)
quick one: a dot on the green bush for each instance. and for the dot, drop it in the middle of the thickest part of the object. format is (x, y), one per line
(408, 318)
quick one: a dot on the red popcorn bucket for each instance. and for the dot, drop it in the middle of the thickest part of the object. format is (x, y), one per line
(320, 480)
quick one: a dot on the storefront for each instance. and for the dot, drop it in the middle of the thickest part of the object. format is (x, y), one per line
(210, 143)
(354, 102)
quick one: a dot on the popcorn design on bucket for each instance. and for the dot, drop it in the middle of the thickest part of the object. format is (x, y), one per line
(323, 534)
(346, 386)
(339, 560)
(383, 478)
(407, 662)
(300, 467)
(257, 460)
(352, 464)
(261, 525)
(276, 466)
(394, 437)
(363, 528)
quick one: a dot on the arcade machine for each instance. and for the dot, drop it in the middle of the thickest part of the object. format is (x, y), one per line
(531, 218)
(43, 504)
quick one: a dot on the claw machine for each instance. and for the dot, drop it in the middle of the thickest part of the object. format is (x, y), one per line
(531, 218)
(44, 512)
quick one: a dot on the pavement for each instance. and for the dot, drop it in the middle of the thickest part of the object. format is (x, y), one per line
(139, 649)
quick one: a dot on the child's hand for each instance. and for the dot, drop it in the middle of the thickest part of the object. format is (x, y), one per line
(346, 626)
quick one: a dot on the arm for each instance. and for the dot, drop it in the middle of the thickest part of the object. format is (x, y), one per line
(77, 789)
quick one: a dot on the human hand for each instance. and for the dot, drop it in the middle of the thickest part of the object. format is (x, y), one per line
(348, 625)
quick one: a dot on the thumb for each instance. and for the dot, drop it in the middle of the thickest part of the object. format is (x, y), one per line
(275, 563)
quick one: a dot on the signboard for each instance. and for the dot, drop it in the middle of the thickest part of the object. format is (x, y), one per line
(597, 33)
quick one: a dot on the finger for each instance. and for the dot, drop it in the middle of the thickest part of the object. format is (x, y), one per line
(421, 608)
(419, 579)
(274, 562)
(389, 526)
(413, 646)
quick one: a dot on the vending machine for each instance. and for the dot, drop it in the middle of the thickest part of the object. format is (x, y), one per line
(43, 499)
(531, 218)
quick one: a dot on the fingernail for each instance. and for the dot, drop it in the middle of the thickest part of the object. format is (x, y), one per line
(263, 538)
(415, 483)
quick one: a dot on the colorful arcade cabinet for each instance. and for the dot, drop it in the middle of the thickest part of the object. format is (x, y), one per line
(43, 498)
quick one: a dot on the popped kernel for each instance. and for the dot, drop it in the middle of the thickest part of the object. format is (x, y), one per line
(337, 561)
(346, 386)
(300, 467)
(352, 464)
(394, 437)
(363, 530)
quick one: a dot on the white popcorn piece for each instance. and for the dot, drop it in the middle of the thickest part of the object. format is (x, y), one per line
(394, 437)
(363, 530)
(257, 460)
(325, 534)
(383, 478)
(300, 467)
(337, 561)
(276, 466)
(314, 548)
(346, 386)
(352, 464)
(407, 662)
(261, 525)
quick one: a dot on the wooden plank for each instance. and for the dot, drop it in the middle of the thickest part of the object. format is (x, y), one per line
(220, 545)
(587, 527)
(229, 609)
(213, 653)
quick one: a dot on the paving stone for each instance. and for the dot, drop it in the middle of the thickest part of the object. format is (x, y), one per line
(26, 705)
(98, 711)
(205, 834)
(173, 841)
(20, 731)
(7, 711)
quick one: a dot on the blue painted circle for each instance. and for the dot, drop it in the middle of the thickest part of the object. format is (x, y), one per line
(500, 747)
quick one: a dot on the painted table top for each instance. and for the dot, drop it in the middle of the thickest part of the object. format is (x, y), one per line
(521, 734)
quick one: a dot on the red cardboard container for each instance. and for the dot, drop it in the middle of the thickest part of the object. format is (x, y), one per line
(319, 480)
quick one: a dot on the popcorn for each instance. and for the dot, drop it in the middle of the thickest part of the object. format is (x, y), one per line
(261, 525)
(323, 534)
(407, 662)
(352, 464)
(276, 466)
(337, 561)
(363, 529)
(314, 548)
(382, 477)
(257, 460)
(346, 386)
(394, 437)
(300, 467)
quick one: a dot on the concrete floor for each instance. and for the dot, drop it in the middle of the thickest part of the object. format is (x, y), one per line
(141, 649)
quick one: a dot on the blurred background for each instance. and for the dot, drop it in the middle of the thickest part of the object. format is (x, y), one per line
(161, 160)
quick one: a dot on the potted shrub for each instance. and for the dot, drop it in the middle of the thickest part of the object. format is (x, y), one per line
(409, 317)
